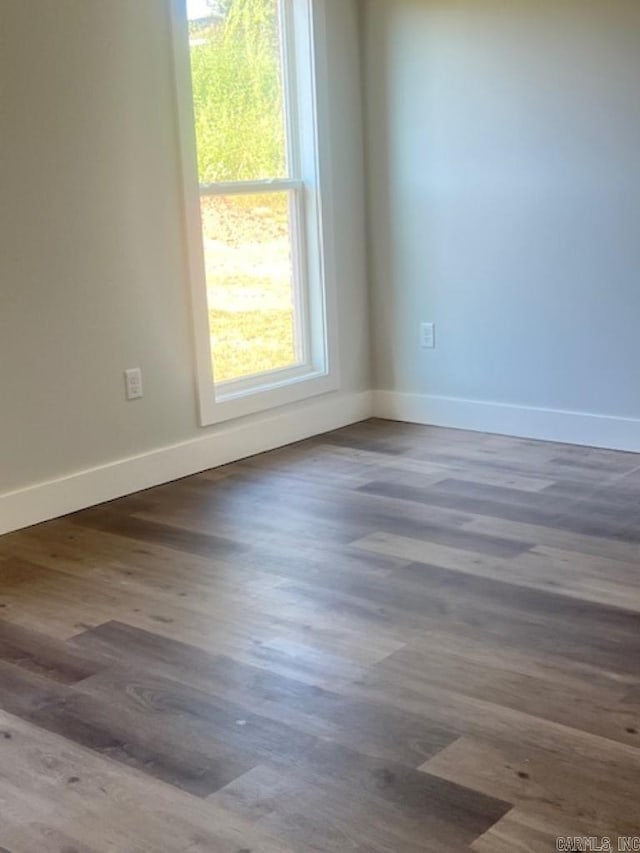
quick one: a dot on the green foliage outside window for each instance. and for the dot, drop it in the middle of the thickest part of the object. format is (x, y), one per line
(237, 91)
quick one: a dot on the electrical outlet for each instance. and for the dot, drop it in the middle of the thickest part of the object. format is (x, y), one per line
(427, 335)
(133, 383)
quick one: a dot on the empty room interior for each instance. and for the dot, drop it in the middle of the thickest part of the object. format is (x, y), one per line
(319, 426)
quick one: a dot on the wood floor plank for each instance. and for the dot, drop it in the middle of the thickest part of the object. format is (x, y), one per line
(585, 631)
(319, 817)
(322, 759)
(388, 638)
(592, 578)
(553, 538)
(367, 727)
(408, 469)
(46, 655)
(590, 518)
(118, 730)
(542, 784)
(564, 696)
(518, 832)
(142, 530)
(55, 789)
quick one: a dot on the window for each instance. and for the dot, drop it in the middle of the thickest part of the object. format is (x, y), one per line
(258, 248)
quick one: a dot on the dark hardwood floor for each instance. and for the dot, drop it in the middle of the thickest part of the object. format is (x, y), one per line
(389, 638)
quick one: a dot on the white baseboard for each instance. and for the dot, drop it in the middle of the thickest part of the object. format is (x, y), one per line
(228, 443)
(582, 428)
(237, 440)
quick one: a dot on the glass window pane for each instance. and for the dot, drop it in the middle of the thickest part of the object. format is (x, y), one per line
(237, 77)
(253, 319)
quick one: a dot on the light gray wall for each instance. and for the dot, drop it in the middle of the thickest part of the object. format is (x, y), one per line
(503, 141)
(92, 255)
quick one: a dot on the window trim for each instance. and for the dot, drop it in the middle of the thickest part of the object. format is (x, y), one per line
(241, 397)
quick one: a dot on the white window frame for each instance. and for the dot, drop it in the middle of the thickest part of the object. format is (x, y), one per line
(312, 241)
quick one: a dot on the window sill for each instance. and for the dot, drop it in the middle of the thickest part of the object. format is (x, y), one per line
(216, 408)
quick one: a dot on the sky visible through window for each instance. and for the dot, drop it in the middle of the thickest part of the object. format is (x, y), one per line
(199, 9)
